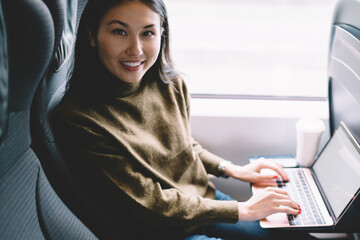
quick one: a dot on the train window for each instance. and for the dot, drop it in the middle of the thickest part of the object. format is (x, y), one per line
(252, 47)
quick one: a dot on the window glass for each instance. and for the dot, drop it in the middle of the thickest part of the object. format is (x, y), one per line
(252, 47)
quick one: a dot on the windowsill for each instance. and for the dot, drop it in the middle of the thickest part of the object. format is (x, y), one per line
(258, 108)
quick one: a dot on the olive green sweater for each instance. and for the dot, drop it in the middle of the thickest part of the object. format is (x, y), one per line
(135, 139)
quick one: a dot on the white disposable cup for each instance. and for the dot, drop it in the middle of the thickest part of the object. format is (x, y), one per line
(308, 135)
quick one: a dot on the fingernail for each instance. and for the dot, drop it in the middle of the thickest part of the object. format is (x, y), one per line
(299, 212)
(275, 176)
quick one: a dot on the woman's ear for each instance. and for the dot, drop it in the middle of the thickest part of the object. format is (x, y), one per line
(91, 39)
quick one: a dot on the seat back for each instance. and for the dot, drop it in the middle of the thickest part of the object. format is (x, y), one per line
(30, 208)
(49, 94)
(4, 78)
(344, 82)
(344, 67)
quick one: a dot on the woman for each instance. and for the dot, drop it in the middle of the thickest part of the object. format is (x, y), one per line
(124, 124)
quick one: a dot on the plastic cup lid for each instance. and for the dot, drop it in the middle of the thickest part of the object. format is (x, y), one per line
(310, 124)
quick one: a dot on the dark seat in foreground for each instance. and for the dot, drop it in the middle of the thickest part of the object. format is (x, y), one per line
(344, 76)
(29, 207)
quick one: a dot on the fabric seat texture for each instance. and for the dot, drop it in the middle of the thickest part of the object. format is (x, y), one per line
(49, 94)
(29, 207)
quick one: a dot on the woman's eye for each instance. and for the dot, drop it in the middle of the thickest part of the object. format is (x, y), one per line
(148, 33)
(119, 32)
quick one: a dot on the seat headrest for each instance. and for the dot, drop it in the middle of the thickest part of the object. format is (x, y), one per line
(31, 41)
(4, 78)
(65, 48)
(347, 12)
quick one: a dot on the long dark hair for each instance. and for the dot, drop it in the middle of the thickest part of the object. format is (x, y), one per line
(87, 64)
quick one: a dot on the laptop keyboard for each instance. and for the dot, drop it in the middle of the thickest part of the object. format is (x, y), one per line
(298, 189)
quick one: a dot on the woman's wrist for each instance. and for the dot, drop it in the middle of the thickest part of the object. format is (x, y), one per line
(244, 213)
(223, 168)
(234, 171)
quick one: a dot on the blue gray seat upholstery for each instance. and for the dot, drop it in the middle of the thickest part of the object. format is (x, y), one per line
(344, 66)
(49, 94)
(29, 207)
(4, 78)
(344, 72)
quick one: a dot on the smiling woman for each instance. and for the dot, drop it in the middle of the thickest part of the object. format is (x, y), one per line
(124, 128)
(116, 40)
(128, 48)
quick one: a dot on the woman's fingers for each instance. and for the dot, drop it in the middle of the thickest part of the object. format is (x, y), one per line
(288, 203)
(266, 202)
(281, 198)
(266, 183)
(275, 167)
(288, 210)
(283, 203)
(279, 169)
(267, 178)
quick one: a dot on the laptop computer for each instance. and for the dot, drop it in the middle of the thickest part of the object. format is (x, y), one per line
(326, 190)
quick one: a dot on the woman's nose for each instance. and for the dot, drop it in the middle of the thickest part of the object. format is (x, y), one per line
(134, 48)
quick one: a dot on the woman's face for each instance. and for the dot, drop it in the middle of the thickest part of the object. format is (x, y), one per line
(128, 40)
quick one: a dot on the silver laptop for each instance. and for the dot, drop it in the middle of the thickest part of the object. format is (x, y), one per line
(326, 190)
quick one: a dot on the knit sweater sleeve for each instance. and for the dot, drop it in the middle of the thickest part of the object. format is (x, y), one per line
(210, 160)
(152, 201)
(166, 205)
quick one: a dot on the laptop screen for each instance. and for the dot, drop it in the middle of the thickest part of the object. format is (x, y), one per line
(338, 169)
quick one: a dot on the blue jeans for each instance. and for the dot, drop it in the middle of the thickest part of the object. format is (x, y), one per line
(243, 230)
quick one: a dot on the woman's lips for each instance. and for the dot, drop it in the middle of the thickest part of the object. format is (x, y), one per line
(132, 65)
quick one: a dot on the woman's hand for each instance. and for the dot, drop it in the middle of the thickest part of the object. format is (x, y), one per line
(266, 202)
(251, 172)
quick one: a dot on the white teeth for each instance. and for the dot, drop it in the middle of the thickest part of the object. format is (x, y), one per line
(131, 64)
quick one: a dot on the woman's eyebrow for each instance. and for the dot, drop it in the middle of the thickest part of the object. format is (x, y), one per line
(127, 25)
(118, 22)
(150, 26)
